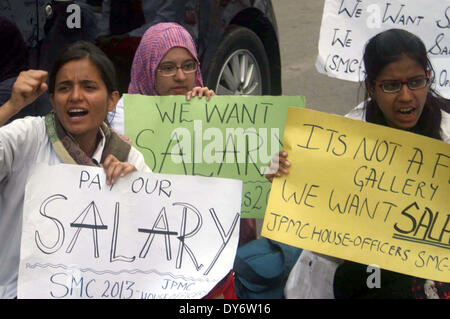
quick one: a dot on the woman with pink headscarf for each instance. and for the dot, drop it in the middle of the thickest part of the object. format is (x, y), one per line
(165, 63)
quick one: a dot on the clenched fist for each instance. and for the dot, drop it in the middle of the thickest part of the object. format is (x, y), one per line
(27, 88)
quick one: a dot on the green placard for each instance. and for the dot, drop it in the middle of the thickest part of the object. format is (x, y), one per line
(227, 136)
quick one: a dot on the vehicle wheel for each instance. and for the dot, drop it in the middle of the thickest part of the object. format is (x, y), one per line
(240, 66)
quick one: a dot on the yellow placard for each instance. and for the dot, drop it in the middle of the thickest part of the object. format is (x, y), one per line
(363, 192)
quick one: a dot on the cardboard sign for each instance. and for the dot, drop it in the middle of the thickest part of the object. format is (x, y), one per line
(232, 137)
(363, 192)
(149, 236)
(347, 25)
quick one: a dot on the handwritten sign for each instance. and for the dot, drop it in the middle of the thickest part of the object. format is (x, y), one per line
(232, 137)
(149, 236)
(363, 192)
(347, 25)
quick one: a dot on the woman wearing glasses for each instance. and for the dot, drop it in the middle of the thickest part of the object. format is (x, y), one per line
(165, 63)
(398, 95)
(398, 91)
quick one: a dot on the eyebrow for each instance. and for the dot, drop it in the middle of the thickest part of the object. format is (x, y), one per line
(68, 82)
(409, 78)
(173, 62)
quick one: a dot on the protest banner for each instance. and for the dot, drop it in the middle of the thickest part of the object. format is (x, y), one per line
(365, 193)
(148, 236)
(347, 25)
(232, 137)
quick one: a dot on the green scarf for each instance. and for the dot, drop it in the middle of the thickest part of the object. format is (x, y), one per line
(70, 153)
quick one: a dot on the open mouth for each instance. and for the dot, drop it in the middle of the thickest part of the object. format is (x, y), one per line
(77, 112)
(407, 111)
(407, 115)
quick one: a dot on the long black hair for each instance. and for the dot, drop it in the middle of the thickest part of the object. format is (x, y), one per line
(390, 46)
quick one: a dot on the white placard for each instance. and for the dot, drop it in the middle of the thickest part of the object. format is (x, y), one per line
(149, 236)
(347, 25)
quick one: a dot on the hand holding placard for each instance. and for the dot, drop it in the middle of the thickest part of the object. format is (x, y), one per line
(227, 136)
(147, 236)
(363, 192)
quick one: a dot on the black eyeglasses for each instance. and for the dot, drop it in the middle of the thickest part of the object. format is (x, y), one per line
(170, 69)
(396, 86)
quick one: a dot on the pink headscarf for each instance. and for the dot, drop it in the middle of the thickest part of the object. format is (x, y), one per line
(154, 45)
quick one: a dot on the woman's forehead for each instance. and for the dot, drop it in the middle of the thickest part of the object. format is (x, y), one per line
(177, 54)
(405, 67)
(79, 69)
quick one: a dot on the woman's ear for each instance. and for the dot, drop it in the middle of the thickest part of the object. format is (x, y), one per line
(369, 88)
(113, 98)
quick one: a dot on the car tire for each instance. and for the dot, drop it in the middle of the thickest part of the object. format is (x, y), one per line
(240, 65)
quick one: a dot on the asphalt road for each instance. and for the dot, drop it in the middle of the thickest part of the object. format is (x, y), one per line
(299, 29)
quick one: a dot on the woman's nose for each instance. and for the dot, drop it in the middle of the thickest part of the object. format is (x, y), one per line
(405, 93)
(76, 93)
(180, 76)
